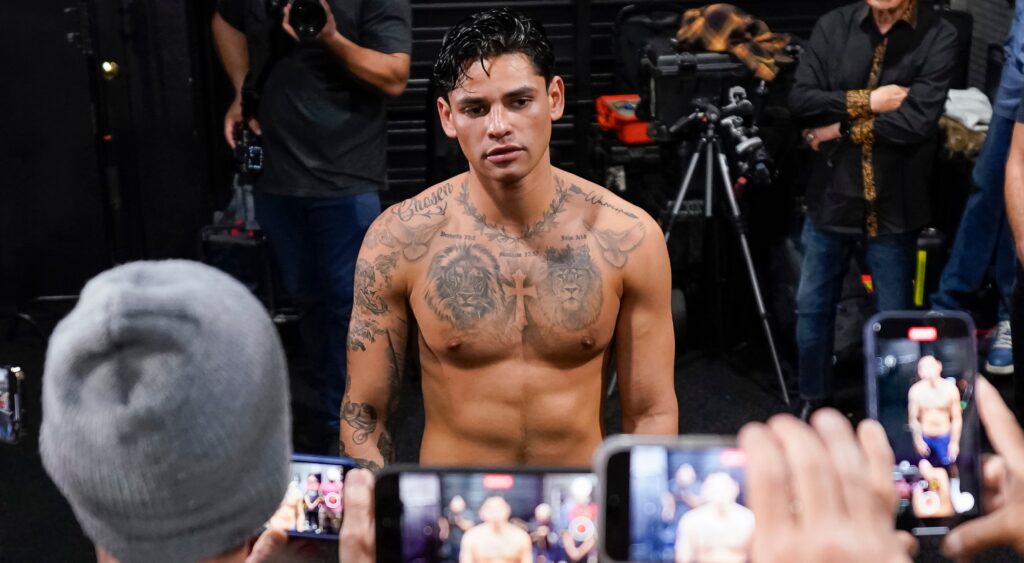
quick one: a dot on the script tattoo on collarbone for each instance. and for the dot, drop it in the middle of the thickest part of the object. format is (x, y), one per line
(595, 198)
(431, 205)
(411, 225)
(499, 234)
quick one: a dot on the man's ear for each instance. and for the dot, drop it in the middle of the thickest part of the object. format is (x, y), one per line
(556, 96)
(444, 112)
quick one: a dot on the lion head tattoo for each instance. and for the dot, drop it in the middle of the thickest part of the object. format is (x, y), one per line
(572, 287)
(464, 285)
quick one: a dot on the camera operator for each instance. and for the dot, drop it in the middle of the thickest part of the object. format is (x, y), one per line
(870, 87)
(321, 113)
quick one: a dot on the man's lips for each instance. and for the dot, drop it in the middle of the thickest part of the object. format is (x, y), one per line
(504, 153)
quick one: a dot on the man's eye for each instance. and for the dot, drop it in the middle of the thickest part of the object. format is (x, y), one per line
(473, 111)
(521, 102)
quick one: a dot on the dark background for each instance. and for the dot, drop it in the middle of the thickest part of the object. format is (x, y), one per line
(97, 171)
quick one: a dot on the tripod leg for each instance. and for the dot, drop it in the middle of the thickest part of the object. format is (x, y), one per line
(709, 181)
(734, 209)
(683, 187)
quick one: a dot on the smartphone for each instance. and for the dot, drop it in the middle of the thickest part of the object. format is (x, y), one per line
(920, 369)
(12, 414)
(314, 503)
(673, 499)
(485, 514)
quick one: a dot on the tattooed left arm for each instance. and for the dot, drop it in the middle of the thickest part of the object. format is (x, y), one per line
(645, 341)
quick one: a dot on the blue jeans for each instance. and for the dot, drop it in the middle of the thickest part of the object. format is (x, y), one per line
(826, 261)
(984, 236)
(315, 242)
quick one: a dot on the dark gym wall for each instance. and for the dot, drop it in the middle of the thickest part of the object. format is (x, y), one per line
(73, 201)
(52, 222)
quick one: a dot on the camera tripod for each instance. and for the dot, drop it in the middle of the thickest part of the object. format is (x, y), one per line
(710, 148)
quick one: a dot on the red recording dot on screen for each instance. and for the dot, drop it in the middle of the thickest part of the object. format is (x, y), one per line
(732, 457)
(923, 334)
(497, 481)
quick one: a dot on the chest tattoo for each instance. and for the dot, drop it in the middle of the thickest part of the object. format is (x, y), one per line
(463, 286)
(571, 287)
(518, 293)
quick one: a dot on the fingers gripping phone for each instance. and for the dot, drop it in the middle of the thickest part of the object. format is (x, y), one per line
(673, 499)
(486, 514)
(920, 370)
(314, 503)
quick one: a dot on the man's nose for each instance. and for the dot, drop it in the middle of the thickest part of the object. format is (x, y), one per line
(497, 124)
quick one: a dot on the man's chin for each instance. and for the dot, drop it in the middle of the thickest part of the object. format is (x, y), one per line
(511, 173)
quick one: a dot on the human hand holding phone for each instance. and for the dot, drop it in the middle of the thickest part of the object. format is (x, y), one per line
(356, 542)
(1003, 476)
(818, 491)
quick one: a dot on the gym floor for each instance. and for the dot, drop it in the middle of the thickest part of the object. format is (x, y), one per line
(716, 396)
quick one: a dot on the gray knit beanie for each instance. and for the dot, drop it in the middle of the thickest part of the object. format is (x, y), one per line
(165, 412)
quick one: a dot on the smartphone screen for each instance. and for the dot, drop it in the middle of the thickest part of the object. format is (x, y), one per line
(488, 516)
(920, 373)
(9, 405)
(314, 503)
(674, 503)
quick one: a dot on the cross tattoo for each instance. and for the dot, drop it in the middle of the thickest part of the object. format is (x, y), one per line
(520, 292)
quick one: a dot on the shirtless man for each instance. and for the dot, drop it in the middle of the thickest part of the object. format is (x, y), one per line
(495, 539)
(936, 420)
(719, 530)
(935, 415)
(519, 276)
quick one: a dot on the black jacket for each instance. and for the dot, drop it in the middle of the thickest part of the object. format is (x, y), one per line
(895, 149)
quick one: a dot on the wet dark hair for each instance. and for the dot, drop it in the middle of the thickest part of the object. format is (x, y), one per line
(487, 34)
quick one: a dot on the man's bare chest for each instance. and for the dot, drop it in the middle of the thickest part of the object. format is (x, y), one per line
(937, 398)
(484, 293)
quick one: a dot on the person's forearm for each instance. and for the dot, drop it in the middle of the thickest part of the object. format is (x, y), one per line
(1014, 189)
(652, 423)
(233, 51)
(915, 430)
(362, 435)
(389, 73)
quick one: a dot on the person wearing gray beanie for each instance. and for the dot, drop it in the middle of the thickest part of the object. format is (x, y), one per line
(166, 422)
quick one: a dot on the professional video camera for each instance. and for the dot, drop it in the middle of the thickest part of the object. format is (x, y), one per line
(307, 17)
(690, 94)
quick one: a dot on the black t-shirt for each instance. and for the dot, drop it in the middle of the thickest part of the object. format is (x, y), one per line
(324, 130)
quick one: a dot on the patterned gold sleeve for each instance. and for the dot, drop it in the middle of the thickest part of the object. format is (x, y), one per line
(858, 104)
(863, 132)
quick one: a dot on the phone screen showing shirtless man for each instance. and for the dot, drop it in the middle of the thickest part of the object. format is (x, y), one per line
(522, 280)
(495, 539)
(719, 529)
(936, 423)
